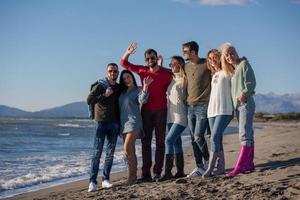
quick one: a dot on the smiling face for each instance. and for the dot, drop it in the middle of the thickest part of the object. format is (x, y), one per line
(112, 72)
(128, 80)
(151, 60)
(214, 61)
(231, 56)
(175, 66)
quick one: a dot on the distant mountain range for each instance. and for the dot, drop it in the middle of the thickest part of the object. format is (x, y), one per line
(72, 110)
(267, 103)
(274, 103)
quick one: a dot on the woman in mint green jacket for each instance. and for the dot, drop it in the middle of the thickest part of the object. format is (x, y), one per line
(242, 90)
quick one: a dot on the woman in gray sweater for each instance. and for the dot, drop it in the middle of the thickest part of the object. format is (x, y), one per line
(130, 101)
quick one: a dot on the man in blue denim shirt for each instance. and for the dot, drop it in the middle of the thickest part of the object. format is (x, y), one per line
(105, 97)
(198, 93)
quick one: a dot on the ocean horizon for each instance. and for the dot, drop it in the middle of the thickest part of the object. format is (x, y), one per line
(37, 153)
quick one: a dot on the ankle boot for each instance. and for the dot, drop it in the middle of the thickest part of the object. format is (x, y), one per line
(241, 162)
(211, 165)
(179, 160)
(168, 168)
(220, 164)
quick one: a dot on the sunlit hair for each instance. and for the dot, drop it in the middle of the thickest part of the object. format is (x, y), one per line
(122, 84)
(192, 45)
(181, 63)
(228, 68)
(217, 53)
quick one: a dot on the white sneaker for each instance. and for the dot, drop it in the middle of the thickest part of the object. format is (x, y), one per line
(106, 184)
(196, 172)
(92, 187)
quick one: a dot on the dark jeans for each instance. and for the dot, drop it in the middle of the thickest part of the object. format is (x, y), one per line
(110, 132)
(153, 120)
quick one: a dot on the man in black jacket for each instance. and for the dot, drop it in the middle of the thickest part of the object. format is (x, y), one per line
(105, 96)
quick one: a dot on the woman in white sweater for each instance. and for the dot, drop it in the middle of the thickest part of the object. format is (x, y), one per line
(176, 119)
(219, 112)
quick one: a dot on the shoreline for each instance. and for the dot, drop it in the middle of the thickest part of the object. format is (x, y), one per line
(277, 150)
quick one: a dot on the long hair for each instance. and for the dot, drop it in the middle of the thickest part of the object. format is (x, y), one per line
(217, 53)
(122, 84)
(228, 68)
(182, 74)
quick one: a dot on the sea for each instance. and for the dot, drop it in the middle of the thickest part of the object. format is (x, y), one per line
(41, 153)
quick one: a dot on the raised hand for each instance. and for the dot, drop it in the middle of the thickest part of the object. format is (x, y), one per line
(131, 48)
(146, 82)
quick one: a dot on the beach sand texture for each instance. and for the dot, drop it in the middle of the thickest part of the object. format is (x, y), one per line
(277, 174)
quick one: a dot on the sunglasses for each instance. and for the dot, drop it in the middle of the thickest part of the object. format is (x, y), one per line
(113, 71)
(172, 65)
(150, 58)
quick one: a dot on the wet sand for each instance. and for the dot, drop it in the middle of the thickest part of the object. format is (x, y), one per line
(277, 174)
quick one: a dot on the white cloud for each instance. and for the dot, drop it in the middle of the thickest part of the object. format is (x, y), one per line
(218, 2)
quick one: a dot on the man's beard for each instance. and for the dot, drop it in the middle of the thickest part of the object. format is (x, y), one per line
(152, 65)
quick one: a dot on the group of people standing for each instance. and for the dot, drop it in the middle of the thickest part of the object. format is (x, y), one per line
(199, 94)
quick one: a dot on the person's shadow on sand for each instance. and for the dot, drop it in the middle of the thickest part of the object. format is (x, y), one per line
(278, 164)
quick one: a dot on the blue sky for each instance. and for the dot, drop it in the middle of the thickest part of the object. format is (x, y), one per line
(52, 50)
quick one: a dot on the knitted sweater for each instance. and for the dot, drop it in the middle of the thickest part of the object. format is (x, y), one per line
(243, 81)
(198, 86)
(176, 95)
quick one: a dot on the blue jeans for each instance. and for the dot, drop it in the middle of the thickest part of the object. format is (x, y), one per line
(245, 113)
(197, 121)
(218, 125)
(173, 139)
(109, 131)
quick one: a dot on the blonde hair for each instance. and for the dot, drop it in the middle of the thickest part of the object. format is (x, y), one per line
(228, 68)
(215, 52)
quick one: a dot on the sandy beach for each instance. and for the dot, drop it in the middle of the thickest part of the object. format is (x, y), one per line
(277, 174)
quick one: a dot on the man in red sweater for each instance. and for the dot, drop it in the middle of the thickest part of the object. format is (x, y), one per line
(154, 112)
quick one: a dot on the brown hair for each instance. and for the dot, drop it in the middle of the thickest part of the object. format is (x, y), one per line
(192, 45)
